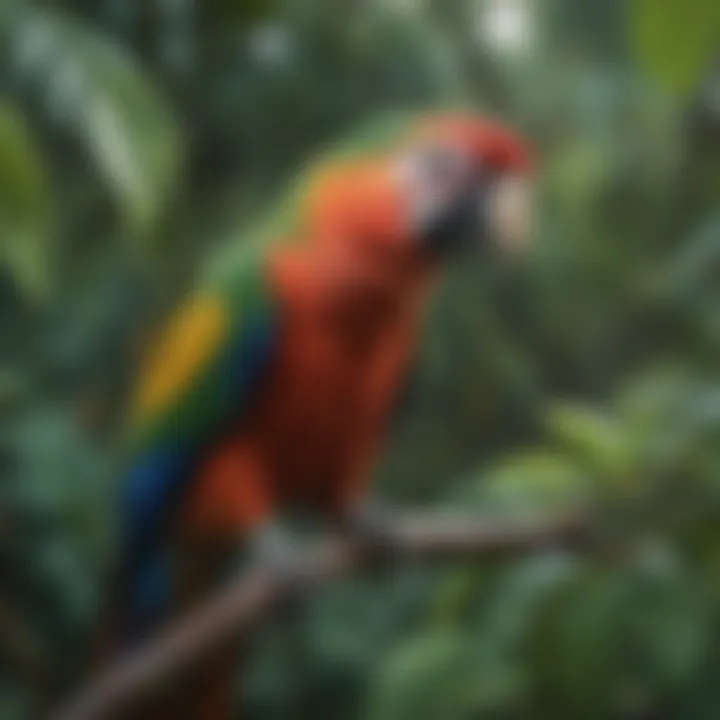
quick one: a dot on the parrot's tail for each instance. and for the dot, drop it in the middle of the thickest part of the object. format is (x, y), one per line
(149, 597)
(206, 689)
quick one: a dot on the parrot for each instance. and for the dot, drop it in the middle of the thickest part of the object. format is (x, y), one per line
(273, 385)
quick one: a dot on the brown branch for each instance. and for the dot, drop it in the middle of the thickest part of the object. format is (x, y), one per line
(235, 611)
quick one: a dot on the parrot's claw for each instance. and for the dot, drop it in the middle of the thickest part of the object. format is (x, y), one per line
(372, 527)
(275, 551)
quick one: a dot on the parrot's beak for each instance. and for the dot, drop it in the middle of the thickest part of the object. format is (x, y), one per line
(510, 215)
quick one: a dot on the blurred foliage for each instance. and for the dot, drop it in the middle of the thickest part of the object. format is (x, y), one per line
(677, 40)
(26, 204)
(138, 139)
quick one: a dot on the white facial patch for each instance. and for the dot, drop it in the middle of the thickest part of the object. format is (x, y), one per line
(433, 178)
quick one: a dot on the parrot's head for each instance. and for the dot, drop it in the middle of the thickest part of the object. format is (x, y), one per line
(450, 183)
(467, 183)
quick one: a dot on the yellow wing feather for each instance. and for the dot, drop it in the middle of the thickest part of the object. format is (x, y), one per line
(188, 343)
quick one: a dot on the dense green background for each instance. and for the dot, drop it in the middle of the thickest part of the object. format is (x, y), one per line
(138, 137)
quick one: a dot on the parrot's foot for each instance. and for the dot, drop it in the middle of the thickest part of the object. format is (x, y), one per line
(371, 526)
(274, 550)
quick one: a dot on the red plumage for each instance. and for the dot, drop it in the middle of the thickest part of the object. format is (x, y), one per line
(350, 302)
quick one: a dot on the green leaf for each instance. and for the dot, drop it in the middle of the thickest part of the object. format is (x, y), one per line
(25, 209)
(420, 680)
(534, 480)
(579, 642)
(676, 40)
(598, 440)
(98, 90)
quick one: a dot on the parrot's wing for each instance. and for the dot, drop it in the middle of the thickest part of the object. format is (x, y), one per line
(202, 376)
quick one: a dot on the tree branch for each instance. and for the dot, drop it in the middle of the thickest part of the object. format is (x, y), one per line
(236, 610)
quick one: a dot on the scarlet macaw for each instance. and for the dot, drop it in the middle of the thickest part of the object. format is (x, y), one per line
(273, 386)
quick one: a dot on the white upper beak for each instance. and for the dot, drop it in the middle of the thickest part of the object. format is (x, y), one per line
(510, 214)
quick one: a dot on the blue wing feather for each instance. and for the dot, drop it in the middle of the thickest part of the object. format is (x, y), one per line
(161, 471)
